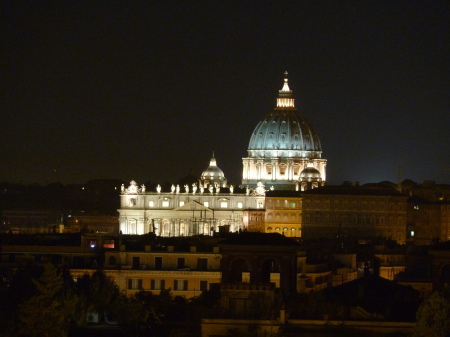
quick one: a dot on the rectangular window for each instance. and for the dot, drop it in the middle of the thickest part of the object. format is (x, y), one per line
(180, 285)
(181, 203)
(203, 285)
(240, 205)
(206, 204)
(108, 244)
(151, 204)
(202, 263)
(136, 262)
(181, 263)
(134, 283)
(224, 204)
(165, 203)
(158, 263)
(158, 285)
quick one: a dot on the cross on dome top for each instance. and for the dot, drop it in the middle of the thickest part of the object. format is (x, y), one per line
(285, 99)
(286, 86)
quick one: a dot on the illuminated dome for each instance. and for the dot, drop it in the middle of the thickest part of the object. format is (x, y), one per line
(281, 146)
(213, 174)
(284, 129)
(310, 174)
(310, 178)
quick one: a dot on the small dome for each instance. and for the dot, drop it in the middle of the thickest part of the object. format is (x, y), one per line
(213, 174)
(310, 174)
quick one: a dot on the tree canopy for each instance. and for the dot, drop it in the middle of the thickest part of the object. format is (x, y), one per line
(433, 316)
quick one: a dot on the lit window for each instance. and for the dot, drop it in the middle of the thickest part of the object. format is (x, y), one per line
(108, 244)
(165, 204)
(180, 285)
(157, 285)
(412, 233)
(240, 205)
(181, 203)
(277, 229)
(206, 204)
(224, 204)
(151, 204)
(134, 283)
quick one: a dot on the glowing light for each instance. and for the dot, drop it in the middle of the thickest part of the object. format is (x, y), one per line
(285, 102)
(285, 95)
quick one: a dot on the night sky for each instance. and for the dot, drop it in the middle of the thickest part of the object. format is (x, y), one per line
(147, 90)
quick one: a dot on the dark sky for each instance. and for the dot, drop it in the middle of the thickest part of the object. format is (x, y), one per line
(147, 90)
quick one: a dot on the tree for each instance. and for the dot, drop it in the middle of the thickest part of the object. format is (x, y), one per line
(433, 316)
(48, 312)
(101, 293)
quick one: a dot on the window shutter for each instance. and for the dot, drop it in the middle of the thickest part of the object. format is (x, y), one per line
(140, 284)
(185, 285)
(175, 285)
(152, 284)
(163, 284)
(130, 283)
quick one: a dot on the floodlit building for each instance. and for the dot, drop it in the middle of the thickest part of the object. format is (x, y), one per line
(283, 213)
(284, 153)
(187, 212)
(186, 269)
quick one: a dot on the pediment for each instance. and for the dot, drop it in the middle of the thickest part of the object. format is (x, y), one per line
(193, 206)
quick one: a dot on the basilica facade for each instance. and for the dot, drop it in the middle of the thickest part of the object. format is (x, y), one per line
(187, 212)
